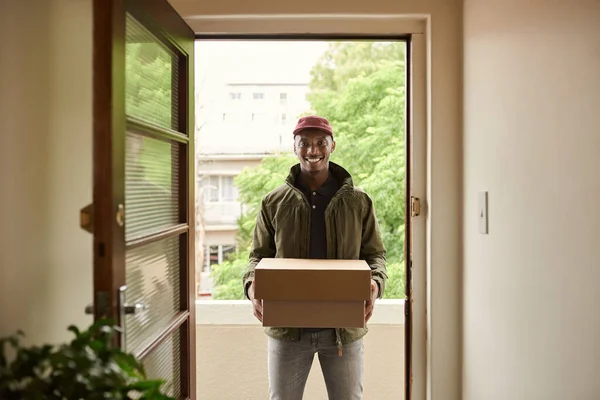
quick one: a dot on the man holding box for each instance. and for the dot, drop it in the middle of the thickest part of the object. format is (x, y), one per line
(317, 214)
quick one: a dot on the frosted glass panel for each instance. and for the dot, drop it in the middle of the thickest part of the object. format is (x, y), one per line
(153, 280)
(151, 186)
(165, 363)
(151, 76)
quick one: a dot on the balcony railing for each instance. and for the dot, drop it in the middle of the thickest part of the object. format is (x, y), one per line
(232, 354)
(222, 213)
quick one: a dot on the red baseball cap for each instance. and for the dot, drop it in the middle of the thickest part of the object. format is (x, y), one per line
(313, 122)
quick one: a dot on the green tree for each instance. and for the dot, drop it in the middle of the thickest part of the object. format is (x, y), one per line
(360, 88)
(227, 277)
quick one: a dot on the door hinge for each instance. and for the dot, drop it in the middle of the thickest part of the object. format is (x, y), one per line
(86, 218)
(120, 217)
(415, 206)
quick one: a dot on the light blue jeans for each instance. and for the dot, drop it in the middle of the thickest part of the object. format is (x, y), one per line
(290, 362)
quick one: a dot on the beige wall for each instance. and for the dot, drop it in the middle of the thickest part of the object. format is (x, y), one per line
(45, 166)
(532, 137)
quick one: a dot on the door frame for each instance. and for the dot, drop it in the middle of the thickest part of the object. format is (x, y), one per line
(413, 31)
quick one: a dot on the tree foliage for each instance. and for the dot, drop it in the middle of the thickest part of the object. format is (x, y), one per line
(360, 88)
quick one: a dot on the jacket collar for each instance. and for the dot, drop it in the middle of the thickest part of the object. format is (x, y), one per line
(338, 172)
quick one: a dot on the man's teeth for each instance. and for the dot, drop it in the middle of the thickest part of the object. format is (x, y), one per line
(313, 160)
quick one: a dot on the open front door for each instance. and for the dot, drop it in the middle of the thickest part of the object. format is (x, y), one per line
(143, 207)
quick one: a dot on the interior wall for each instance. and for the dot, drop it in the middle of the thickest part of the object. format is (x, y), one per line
(45, 166)
(532, 136)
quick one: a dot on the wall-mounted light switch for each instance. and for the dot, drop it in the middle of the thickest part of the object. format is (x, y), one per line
(483, 213)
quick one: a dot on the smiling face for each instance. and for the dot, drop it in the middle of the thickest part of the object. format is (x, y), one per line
(313, 148)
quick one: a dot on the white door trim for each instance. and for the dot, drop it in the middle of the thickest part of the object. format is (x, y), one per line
(420, 109)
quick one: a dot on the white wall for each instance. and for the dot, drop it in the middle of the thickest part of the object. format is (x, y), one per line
(532, 138)
(45, 166)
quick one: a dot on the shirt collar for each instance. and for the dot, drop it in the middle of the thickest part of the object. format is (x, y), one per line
(328, 188)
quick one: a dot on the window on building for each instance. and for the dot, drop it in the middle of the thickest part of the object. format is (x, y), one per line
(210, 188)
(216, 254)
(283, 97)
(228, 190)
(211, 257)
(216, 189)
(283, 119)
(258, 96)
(235, 96)
(227, 250)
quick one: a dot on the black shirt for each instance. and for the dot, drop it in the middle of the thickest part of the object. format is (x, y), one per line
(318, 200)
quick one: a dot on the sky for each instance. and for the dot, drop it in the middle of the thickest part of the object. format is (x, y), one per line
(255, 61)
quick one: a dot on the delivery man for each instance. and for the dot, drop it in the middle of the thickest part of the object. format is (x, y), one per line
(317, 214)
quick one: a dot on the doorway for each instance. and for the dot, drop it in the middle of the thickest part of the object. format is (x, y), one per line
(250, 92)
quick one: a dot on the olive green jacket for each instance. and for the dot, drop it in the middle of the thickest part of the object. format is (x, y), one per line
(283, 228)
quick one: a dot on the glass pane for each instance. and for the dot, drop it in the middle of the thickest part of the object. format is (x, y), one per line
(227, 251)
(165, 363)
(210, 188)
(151, 186)
(153, 280)
(151, 77)
(214, 255)
(228, 190)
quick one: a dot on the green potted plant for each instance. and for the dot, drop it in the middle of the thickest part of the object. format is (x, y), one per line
(89, 367)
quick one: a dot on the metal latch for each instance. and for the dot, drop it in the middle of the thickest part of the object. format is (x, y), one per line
(415, 206)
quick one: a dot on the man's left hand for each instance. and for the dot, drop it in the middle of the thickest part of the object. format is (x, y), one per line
(369, 304)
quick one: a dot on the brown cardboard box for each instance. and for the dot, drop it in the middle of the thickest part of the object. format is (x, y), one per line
(301, 293)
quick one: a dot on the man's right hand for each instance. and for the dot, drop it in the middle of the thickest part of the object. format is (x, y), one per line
(256, 304)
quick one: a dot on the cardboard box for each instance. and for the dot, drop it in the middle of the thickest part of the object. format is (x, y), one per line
(301, 293)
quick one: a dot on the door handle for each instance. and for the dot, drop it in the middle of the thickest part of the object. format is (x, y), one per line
(133, 309)
(129, 309)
